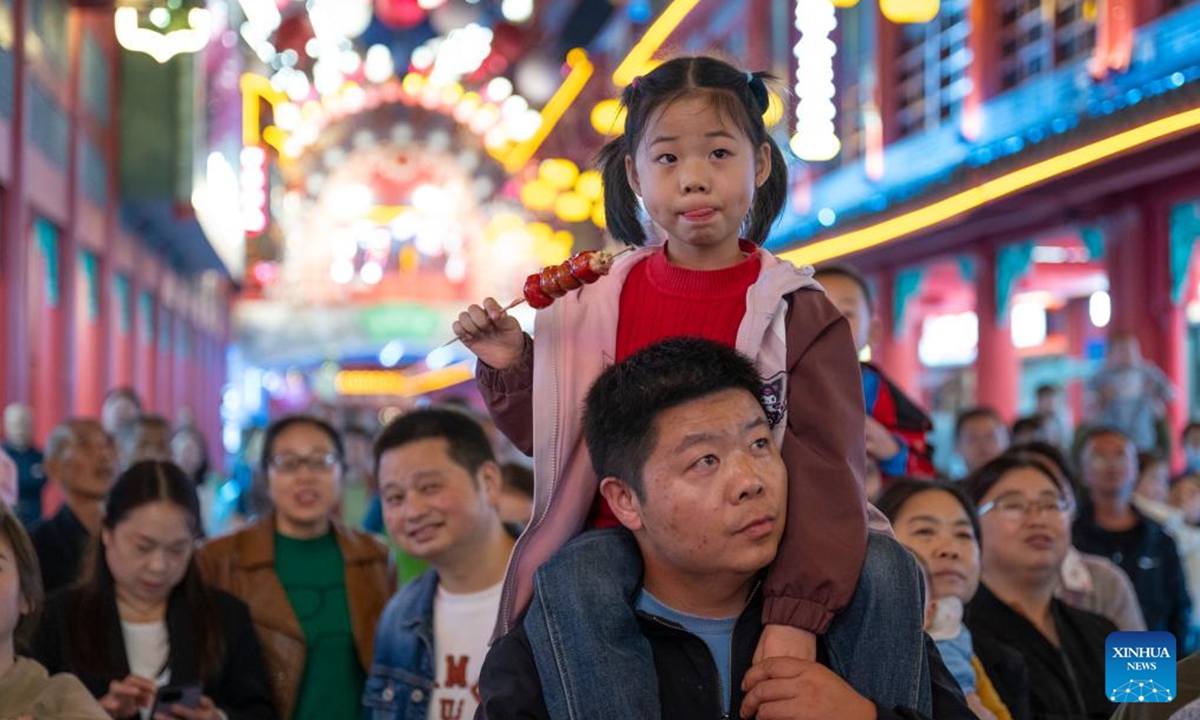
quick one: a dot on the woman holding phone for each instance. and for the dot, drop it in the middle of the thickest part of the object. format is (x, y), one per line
(140, 628)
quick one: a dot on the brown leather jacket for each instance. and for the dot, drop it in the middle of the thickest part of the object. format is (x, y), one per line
(243, 564)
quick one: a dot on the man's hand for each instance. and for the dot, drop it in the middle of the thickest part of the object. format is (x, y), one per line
(881, 444)
(785, 641)
(491, 333)
(789, 689)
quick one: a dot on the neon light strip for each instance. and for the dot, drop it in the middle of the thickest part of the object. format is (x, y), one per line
(581, 72)
(635, 62)
(940, 211)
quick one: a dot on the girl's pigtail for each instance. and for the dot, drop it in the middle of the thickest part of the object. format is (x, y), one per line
(758, 90)
(620, 202)
(768, 199)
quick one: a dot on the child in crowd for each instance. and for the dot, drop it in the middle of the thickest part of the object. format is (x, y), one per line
(896, 428)
(713, 181)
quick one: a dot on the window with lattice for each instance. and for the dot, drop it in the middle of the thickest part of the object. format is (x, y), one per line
(930, 72)
(1037, 36)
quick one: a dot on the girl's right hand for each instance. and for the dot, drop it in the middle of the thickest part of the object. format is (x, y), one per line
(125, 697)
(491, 333)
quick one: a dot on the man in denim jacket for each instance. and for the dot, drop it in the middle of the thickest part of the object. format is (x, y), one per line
(680, 437)
(439, 483)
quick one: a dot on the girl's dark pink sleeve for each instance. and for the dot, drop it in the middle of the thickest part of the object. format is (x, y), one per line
(824, 448)
(508, 394)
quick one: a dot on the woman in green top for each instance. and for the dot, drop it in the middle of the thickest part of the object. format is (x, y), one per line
(315, 588)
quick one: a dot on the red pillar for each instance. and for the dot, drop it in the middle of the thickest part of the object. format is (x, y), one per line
(119, 371)
(895, 350)
(122, 331)
(48, 334)
(1079, 331)
(1125, 260)
(89, 360)
(1168, 319)
(1137, 256)
(15, 365)
(146, 323)
(984, 69)
(997, 368)
(72, 320)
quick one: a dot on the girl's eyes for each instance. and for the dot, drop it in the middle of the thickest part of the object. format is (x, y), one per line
(668, 158)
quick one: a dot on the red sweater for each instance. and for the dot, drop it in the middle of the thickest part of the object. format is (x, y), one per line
(660, 300)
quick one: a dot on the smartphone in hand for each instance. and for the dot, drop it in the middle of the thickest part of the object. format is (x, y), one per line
(186, 695)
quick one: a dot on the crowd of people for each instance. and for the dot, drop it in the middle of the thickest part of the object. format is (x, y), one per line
(725, 513)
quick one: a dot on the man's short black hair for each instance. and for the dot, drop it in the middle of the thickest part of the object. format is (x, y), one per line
(1193, 425)
(469, 446)
(1029, 424)
(976, 413)
(1089, 435)
(1046, 389)
(850, 273)
(624, 402)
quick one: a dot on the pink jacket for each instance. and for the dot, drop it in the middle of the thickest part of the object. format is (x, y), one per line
(802, 347)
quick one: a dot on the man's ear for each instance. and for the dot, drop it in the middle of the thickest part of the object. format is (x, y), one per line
(624, 502)
(632, 176)
(491, 479)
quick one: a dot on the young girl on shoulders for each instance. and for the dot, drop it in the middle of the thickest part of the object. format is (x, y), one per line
(697, 153)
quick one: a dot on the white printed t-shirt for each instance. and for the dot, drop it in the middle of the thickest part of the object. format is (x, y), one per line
(462, 626)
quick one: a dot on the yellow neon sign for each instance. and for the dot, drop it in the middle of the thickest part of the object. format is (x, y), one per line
(253, 88)
(1007, 184)
(581, 72)
(639, 58)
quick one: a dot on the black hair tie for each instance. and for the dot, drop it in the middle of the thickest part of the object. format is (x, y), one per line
(758, 89)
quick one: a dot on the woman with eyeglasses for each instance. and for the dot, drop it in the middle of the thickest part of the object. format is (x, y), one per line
(1025, 523)
(141, 625)
(1086, 581)
(315, 588)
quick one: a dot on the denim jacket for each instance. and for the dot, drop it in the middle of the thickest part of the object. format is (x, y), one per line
(402, 677)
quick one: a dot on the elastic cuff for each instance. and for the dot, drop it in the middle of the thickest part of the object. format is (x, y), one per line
(517, 378)
(803, 614)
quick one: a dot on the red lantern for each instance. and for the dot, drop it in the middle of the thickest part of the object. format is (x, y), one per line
(401, 14)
